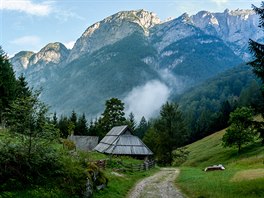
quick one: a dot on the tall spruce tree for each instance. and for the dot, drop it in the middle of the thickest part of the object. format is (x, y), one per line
(171, 132)
(112, 116)
(22, 88)
(142, 128)
(8, 84)
(257, 49)
(73, 120)
(132, 122)
(63, 126)
(81, 126)
(166, 133)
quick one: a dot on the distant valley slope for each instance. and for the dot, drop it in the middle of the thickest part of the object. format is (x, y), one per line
(134, 56)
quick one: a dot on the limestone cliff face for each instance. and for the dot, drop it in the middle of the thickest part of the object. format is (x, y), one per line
(234, 27)
(30, 62)
(40, 67)
(51, 53)
(20, 61)
(111, 30)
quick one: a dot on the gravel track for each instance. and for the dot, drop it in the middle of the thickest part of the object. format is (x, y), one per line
(160, 185)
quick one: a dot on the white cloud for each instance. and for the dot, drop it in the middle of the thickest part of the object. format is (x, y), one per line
(146, 100)
(220, 2)
(26, 40)
(70, 44)
(27, 6)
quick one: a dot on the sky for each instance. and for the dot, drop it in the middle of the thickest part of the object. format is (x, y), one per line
(29, 25)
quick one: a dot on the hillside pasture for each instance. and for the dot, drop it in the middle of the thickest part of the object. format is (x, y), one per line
(243, 176)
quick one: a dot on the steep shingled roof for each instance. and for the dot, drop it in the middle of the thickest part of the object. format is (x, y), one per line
(120, 141)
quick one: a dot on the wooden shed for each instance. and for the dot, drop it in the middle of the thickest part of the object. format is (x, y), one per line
(120, 141)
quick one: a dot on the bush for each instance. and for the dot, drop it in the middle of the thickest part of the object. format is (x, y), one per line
(70, 145)
(17, 169)
(180, 155)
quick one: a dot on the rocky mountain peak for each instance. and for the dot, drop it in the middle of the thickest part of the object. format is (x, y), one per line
(117, 26)
(20, 61)
(235, 27)
(141, 17)
(53, 52)
(185, 18)
(243, 13)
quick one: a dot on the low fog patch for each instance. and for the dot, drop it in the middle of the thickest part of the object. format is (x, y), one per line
(146, 100)
(176, 83)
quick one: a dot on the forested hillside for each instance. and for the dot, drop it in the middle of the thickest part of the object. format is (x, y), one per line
(207, 106)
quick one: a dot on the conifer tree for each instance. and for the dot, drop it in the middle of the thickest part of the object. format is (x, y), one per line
(170, 132)
(112, 116)
(22, 89)
(93, 127)
(7, 84)
(142, 128)
(257, 49)
(55, 120)
(63, 126)
(132, 122)
(81, 126)
(73, 120)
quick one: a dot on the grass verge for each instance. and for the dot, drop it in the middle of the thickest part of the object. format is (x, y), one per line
(242, 178)
(120, 183)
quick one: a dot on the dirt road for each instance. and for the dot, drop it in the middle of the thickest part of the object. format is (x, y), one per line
(160, 185)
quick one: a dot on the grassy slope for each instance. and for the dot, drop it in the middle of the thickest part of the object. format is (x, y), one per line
(118, 186)
(228, 183)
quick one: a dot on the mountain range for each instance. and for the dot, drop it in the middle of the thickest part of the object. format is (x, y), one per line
(135, 56)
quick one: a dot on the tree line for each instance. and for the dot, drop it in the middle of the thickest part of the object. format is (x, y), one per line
(113, 115)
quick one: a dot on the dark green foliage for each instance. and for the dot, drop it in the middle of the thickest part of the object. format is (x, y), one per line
(207, 106)
(28, 116)
(168, 133)
(94, 127)
(22, 89)
(180, 155)
(241, 130)
(17, 172)
(73, 176)
(142, 128)
(257, 49)
(8, 84)
(73, 120)
(151, 138)
(81, 126)
(55, 120)
(171, 132)
(131, 122)
(112, 116)
(63, 126)
(251, 96)
(75, 124)
(259, 127)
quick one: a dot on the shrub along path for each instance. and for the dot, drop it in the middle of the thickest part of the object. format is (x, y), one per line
(161, 184)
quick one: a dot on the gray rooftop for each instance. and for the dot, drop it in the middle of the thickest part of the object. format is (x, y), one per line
(119, 140)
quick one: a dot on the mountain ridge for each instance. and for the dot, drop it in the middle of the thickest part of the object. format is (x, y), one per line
(129, 49)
